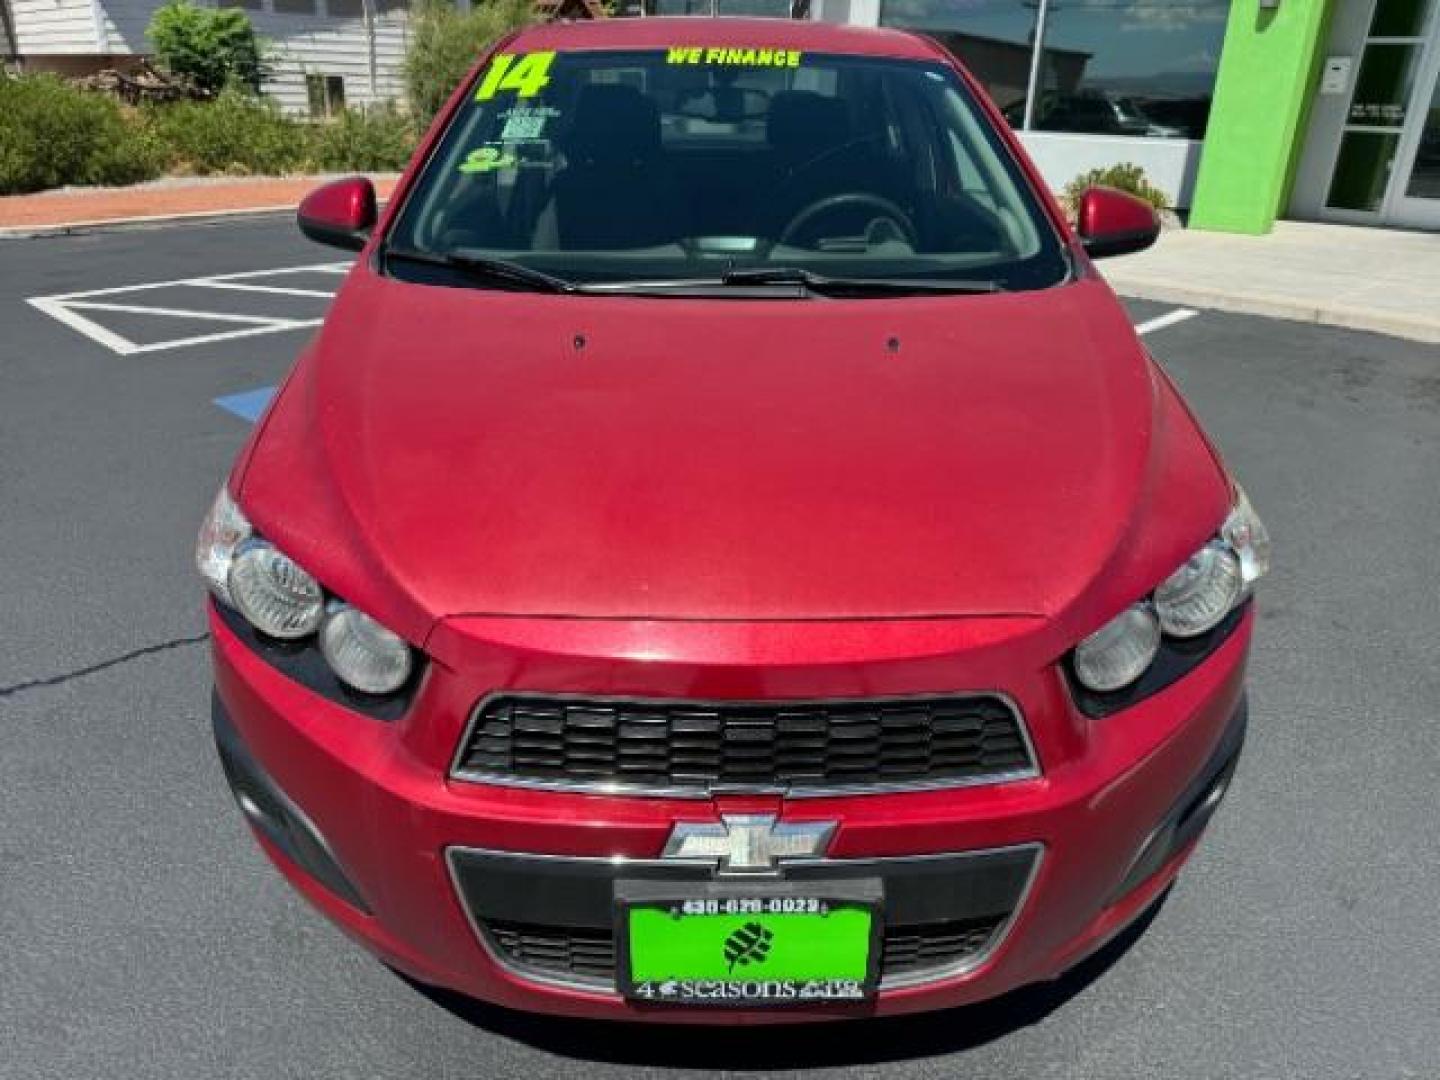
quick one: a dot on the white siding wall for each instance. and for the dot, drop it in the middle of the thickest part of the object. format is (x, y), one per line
(319, 44)
(51, 27)
(304, 45)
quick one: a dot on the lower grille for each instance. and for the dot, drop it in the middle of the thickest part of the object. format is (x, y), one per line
(550, 918)
(579, 953)
(587, 956)
(917, 950)
(691, 747)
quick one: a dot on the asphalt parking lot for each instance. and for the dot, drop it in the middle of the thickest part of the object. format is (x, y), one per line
(142, 933)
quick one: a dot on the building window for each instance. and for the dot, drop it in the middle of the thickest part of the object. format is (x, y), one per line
(1114, 67)
(248, 5)
(295, 7)
(1399, 18)
(327, 94)
(345, 9)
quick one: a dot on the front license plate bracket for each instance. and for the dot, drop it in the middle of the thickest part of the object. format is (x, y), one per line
(748, 944)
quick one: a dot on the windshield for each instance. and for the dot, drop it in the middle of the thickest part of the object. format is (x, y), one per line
(694, 164)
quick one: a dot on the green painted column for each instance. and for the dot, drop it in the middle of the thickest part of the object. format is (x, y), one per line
(1267, 76)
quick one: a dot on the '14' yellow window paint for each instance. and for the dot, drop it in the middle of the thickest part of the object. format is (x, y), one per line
(526, 75)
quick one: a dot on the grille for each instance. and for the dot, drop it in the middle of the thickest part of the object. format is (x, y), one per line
(914, 950)
(688, 747)
(588, 955)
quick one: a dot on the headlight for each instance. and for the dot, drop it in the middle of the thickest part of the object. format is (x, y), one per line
(271, 590)
(1188, 604)
(1119, 652)
(259, 585)
(362, 653)
(1248, 538)
(1199, 594)
(224, 529)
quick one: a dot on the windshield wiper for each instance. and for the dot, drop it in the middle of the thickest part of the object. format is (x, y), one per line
(514, 275)
(845, 286)
(479, 268)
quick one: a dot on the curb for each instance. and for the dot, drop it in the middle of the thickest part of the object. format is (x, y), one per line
(1415, 328)
(148, 221)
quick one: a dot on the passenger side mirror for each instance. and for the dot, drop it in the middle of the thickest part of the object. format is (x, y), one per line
(340, 214)
(1114, 223)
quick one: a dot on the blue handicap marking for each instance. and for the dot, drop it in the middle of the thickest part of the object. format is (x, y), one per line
(249, 404)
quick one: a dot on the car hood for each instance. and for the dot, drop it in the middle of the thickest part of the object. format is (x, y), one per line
(443, 451)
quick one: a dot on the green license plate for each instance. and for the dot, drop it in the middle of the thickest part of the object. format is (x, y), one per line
(731, 946)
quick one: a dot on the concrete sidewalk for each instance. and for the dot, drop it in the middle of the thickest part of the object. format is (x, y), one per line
(1385, 280)
(77, 209)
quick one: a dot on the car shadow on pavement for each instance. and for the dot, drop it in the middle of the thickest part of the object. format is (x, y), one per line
(766, 1048)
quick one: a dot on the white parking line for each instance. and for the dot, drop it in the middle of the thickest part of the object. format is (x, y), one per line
(308, 268)
(186, 313)
(67, 308)
(228, 335)
(1170, 318)
(239, 286)
(58, 311)
(255, 324)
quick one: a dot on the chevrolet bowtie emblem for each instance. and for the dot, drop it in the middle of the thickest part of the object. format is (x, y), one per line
(749, 843)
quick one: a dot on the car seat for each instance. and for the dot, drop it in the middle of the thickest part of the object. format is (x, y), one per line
(616, 190)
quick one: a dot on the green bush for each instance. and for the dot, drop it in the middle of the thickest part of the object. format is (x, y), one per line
(235, 134)
(1129, 178)
(135, 156)
(445, 43)
(212, 47)
(53, 134)
(363, 140)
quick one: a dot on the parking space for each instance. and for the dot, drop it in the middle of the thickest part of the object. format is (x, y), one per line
(141, 932)
(185, 312)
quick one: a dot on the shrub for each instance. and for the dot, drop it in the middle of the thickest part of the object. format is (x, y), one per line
(235, 134)
(363, 140)
(52, 134)
(134, 155)
(213, 47)
(444, 43)
(1127, 177)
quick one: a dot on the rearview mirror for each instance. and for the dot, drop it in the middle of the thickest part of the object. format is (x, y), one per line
(1115, 223)
(340, 214)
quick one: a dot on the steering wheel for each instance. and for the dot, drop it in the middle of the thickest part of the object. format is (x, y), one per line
(886, 210)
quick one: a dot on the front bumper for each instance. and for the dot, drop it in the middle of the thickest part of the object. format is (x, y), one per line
(422, 869)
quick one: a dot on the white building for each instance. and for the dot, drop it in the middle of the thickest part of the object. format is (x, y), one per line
(323, 52)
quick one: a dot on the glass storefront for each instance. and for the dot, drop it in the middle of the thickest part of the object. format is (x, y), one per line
(1387, 166)
(1113, 67)
(1425, 174)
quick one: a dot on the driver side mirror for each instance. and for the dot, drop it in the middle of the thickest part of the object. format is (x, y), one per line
(340, 214)
(1115, 223)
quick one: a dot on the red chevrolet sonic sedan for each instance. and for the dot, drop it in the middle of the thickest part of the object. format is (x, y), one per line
(727, 555)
